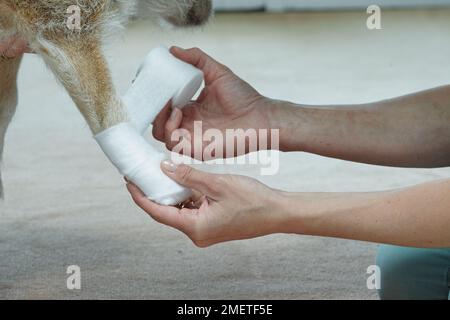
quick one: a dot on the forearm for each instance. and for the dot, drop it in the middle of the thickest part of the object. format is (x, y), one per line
(410, 131)
(416, 217)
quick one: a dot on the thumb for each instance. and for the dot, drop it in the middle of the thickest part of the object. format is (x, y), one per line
(191, 178)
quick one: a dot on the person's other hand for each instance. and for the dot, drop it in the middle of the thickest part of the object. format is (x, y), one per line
(224, 207)
(227, 102)
(13, 47)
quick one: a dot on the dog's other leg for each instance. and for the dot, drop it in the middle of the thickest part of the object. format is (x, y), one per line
(8, 99)
(80, 66)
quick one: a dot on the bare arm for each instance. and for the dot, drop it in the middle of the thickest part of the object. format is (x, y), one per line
(410, 131)
(416, 217)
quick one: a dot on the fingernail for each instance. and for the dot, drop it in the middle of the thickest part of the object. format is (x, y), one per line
(169, 166)
(174, 113)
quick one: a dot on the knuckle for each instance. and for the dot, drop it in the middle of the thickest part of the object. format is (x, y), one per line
(201, 244)
(196, 235)
(225, 69)
(196, 50)
(196, 240)
(169, 146)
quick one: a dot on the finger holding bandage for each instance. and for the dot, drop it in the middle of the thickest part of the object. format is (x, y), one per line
(161, 78)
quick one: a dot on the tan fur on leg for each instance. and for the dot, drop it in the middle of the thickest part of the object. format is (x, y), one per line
(8, 100)
(82, 69)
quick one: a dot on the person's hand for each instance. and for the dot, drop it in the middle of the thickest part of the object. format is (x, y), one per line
(227, 102)
(13, 47)
(223, 208)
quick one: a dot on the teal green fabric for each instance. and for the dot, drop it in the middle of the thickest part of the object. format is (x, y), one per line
(414, 274)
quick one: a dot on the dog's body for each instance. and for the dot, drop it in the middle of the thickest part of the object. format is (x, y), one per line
(75, 55)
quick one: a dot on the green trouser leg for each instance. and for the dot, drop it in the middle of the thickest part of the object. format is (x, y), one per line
(416, 274)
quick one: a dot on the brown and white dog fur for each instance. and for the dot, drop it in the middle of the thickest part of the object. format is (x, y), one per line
(75, 55)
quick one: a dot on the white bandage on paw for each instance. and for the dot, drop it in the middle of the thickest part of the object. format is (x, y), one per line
(162, 77)
(140, 163)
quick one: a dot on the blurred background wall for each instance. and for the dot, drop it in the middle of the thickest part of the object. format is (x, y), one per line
(285, 5)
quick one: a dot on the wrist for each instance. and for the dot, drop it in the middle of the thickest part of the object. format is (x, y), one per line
(303, 213)
(326, 214)
(288, 214)
(290, 120)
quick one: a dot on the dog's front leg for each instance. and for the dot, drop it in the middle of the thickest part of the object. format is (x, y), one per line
(82, 69)
(8, 99)
(80, 66)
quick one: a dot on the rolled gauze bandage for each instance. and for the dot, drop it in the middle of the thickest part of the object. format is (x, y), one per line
(140, 163)
(162, 77)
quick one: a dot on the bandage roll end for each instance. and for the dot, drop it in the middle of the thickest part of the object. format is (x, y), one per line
(161, 78)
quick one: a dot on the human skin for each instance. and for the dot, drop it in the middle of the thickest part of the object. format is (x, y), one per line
(409, 131)
(13, 47)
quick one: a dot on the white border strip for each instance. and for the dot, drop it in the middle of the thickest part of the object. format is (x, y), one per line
(285, 5)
